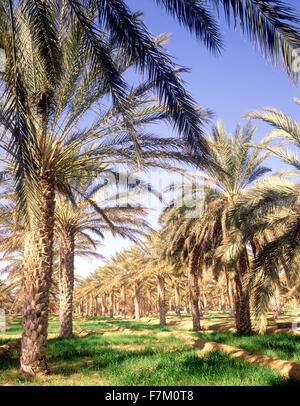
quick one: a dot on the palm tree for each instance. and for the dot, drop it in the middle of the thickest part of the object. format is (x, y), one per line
(73, 222)
(195, 240)
(271, 25)
(267, 215)
(272, 206)
(45, 111)
(44, 99)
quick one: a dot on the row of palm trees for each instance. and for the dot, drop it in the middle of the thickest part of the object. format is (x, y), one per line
(246, 236)
(63, 59)
(129, 287)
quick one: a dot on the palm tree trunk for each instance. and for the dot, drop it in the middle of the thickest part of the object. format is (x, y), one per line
(222, 302)
(161, 299)
(194, 287)
(137, 314)
(103, 303)
(66, 284)
(98, 306)
(242, 303)
(229, 293)
(38, 258)
(187, 304)
(149, 301)
(111, 304)
(177, 298)
(123, 302)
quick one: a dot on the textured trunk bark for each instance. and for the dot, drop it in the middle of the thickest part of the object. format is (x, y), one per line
(87, 304)
(111, 304)
(98, 306)
(123, 302)
(200, 307)
(81, 309)
(117, 307)
(222, 302)
(66, 284)
(187, 304)
(177, 298)
(194, 288)
(229, 293)
(103, 303)
(38, 260)
(242, 305)
(90, 306)
(161, 299)
(137, 313)
(199, 301)
(149, 302)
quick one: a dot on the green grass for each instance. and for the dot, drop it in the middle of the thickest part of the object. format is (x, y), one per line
(4, 341)
(280, 345)
(138, 326)
(151, 360)
(148, 355)
(186, 368)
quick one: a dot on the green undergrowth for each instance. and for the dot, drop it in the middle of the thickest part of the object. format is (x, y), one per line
(285, 346)
(149, 359)
(148, 354)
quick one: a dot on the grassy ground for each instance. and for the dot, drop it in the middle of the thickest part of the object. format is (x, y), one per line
(143, 353)
(279, 345)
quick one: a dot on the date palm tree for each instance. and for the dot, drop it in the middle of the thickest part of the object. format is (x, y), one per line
(85, 219)
(47, 90)
(52, 138)
(200, 239)
(271, 25)
(269, 212)
(267, 215)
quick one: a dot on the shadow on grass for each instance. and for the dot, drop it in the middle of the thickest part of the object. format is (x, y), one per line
(94, 318)
(138, 326)
(280, 345)
(147, 365)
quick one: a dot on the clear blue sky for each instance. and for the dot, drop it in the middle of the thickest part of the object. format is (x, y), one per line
(231, 85)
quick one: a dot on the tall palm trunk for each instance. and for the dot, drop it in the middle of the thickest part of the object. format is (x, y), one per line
(222, 302)
(103, 303)
(137, 313)
(177, 298)
(149, 301)
(229, 292)
(242, 302)
(111, 304)
(161, 299)
(66, 284)
(98, 307)
(194, 287)
(38, 258)
(123, 302)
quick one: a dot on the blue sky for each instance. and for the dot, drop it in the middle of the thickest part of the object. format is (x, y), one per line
(231, 84)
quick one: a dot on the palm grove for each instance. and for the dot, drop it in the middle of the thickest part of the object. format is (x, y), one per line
(65, 61)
